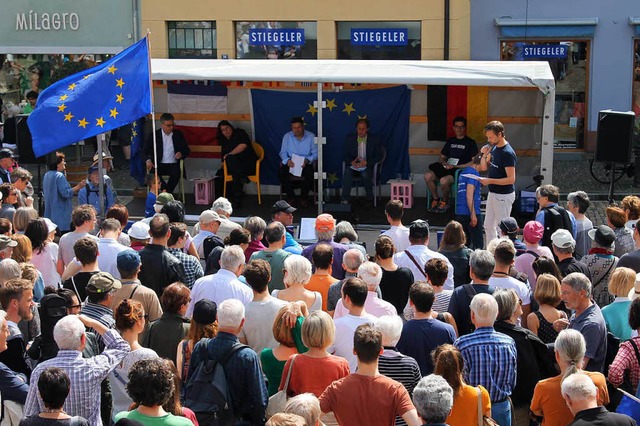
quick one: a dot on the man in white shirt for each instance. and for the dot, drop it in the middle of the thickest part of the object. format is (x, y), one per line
(354, 296)
(371, 274)
(505, 254)
(224, 284)
(109, 247)
(171, 147)
(209, 223)
(84, 220)
(418, 253)
(398, 233)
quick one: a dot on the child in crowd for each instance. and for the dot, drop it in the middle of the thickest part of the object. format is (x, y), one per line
(154, 186)
(468, 204)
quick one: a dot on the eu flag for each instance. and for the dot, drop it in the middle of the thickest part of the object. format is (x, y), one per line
(93, 101)
(387, 110)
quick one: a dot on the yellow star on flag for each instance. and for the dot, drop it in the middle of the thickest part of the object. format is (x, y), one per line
(331, 104)
(71, 86)
(83, 123)
(333, 178)
(119, 98)
(68, 117)
(86, 77)
(348, 108)
(312, 109)
(63, 97)
(135, 124)
(113, 113)
(120, 83)
(112, 70)
(134, 134)
(62, 107)
(100, 122)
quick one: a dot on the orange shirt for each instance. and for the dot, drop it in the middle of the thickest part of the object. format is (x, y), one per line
(548, 402)
(313, 374)
(321, 284)
(465, 406)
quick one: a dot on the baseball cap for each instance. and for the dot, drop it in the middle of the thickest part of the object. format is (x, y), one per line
(419, 229)
(139, 231)
(205, 311)
(103, 282)
(209, 216)
(325, 222)
(533, 231)
(163, 198)
(563, 239)
(634, 293)
(50, 225)
(6, 153)
(509, 225)
(282, 206)
(602, 235)
(7, 242)
(128, 260)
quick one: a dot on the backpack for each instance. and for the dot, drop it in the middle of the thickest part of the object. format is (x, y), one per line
(555, 217)
(207, 392)
(209, 243)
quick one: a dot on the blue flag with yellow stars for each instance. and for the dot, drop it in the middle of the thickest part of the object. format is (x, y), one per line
(93, 101)
(386, 109)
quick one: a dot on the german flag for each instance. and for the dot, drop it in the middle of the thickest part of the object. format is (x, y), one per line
(444, 103)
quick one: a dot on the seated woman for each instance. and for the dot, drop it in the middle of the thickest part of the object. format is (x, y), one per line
(239, 156)
(150, 387)
(297, 273)
(626, 363)
(53, 387)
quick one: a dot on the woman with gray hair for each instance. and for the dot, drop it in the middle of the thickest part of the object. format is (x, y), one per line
(433, 398)
(533, 363)
(547, 401)
(392, 363)
(256, 226)
(297, 273)
(345, 234)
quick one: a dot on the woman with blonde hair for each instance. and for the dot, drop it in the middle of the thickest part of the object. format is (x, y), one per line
(616, 314)
(547, 294)
(449, 363)
(204, 324)
(22, 253)
(22, 217)
(297, 273)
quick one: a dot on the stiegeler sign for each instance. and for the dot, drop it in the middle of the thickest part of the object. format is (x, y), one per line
(544, 51)
(379, 36)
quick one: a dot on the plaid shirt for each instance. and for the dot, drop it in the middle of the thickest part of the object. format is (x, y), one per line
(86, 375)
(626, 363)
(192, 266)
(490, 360)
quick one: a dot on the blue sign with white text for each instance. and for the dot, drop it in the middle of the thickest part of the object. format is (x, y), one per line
(379, 36)
(276, 36)
(544, 51)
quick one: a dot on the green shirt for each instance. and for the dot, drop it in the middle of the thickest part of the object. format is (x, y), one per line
(276, 261)
(166, 420)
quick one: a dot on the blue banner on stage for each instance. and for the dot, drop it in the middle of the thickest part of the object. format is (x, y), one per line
(379, 36)
(386, 109)
(276, 36)
(544, 51)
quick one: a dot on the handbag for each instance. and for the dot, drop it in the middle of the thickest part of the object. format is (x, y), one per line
(278, 400)
(482, 419)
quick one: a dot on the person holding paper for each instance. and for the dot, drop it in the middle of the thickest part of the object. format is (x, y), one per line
(456, 154)
(361, 153)
(297, 154)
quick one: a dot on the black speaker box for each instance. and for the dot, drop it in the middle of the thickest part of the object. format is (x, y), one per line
(615, 137)
(25, 144)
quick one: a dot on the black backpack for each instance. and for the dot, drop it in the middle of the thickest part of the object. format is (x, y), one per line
(555, 217)
(207, 392)
(211, 242)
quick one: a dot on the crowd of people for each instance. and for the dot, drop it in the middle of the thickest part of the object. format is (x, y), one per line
(113, 322)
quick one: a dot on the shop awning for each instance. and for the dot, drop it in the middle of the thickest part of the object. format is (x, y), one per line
(549, 28)
(450, 73)
(635, 21)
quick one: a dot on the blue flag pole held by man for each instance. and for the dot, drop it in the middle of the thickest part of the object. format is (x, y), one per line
(92, 102)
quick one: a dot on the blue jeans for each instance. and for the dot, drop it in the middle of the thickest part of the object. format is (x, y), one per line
(501, 412)
(365, 178)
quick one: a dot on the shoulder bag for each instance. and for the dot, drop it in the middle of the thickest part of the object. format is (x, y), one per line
(278, 400)
(482, 419)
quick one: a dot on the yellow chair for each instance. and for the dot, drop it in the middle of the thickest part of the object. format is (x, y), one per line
(259, 150)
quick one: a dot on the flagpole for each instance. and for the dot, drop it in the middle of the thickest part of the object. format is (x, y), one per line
(101, 194)
(153, 111)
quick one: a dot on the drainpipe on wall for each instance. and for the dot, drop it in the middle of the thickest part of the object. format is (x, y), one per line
(136, 6)
(447, 25)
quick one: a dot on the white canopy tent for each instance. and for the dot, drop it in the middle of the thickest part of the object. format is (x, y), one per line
(450, 73)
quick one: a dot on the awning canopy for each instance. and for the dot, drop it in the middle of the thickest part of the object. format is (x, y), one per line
(449, 73)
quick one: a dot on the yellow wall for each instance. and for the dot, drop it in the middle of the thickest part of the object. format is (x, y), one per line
(326, 13)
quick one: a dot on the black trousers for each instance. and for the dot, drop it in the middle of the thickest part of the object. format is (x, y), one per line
(306, 183)
(173, 171)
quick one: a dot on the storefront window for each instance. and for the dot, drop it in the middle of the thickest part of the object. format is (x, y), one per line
(379, 40)
(276, 40)
(192, 39)
(569, 63)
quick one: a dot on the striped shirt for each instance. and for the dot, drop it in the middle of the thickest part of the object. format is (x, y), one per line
(490, 360)
(86, 375)
(441, 303)
(400, 368)
(192, 266)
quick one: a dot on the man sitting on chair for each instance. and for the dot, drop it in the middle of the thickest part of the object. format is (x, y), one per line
(171, 147)
(361, 153)
(301, 143)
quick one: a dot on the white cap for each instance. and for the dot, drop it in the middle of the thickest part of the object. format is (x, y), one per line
(50, 225)
(563, 239)
(139, 231)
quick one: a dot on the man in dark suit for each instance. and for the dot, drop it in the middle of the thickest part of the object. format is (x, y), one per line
(171, 147)
(362, 150)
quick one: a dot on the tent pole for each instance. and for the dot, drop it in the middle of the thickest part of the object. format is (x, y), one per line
(101, 194)
(320, 140)
(546, 149)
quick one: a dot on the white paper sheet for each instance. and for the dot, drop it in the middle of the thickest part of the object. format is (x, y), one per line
(298, 161)
(307, 228)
